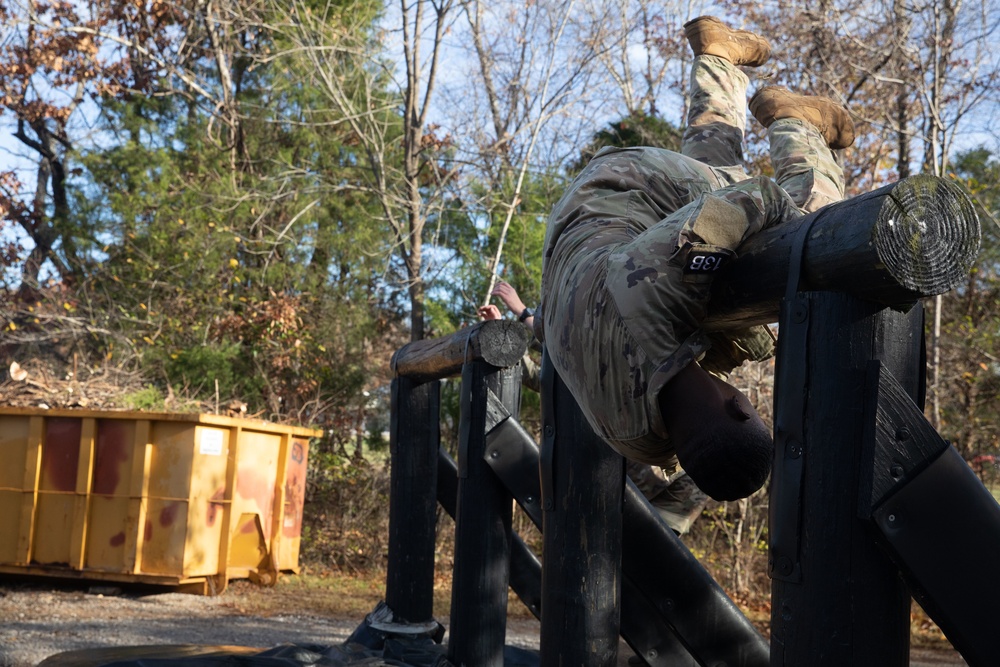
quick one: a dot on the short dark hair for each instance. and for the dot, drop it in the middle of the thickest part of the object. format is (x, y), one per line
(728, 460)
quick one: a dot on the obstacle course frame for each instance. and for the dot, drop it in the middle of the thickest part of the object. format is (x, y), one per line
(862, 492)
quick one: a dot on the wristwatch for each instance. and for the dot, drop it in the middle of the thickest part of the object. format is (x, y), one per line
(525, 314)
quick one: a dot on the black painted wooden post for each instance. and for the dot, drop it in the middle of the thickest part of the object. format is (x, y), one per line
(582, 487)
(837, 599)
(525, 568)
(414, 438)
(482, 525)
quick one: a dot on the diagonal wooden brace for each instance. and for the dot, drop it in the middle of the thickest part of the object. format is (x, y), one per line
(934, 517)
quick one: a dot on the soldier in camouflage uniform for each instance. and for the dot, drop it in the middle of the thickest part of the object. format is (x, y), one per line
(674, 496)
(631, 249)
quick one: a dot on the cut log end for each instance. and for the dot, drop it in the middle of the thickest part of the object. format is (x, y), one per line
(503, 345)
(927, 234)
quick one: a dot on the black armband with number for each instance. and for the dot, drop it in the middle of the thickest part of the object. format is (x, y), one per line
(701, 261)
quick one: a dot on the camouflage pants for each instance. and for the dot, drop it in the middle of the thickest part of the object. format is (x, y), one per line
(673, 495)
(631, 250)
(804, 166)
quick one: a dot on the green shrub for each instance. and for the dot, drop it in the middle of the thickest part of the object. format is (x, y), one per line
(199, 368)
(149, 398)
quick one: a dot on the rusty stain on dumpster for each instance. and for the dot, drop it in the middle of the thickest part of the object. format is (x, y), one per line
(110, 456)
(60, 455)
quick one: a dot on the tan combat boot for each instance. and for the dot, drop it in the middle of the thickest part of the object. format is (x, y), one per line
(773, 103)
(709, 36)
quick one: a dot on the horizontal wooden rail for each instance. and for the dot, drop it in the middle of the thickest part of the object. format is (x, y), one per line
(915, 238)
(500, 343)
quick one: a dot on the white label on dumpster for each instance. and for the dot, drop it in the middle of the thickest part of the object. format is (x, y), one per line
(211, 443)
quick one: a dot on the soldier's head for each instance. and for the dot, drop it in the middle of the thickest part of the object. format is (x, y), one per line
(719, 438)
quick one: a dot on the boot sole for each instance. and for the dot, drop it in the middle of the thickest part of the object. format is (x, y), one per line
(696, 28)
(767, 107)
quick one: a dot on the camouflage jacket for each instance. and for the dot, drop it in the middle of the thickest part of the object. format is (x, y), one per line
(622, 302)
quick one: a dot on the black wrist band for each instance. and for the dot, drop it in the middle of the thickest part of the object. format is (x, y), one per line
(525, 314)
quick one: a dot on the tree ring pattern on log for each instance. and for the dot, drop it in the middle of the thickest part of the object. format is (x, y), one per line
(927, 234)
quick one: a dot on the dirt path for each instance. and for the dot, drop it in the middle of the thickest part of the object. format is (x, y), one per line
(39, 620)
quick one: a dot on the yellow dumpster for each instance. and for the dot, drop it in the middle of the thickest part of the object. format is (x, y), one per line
(183, 500)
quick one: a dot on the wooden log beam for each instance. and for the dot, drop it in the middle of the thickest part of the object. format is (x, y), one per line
(915, 238)
(500, 343)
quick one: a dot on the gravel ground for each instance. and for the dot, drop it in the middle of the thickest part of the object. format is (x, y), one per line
(39, 620)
